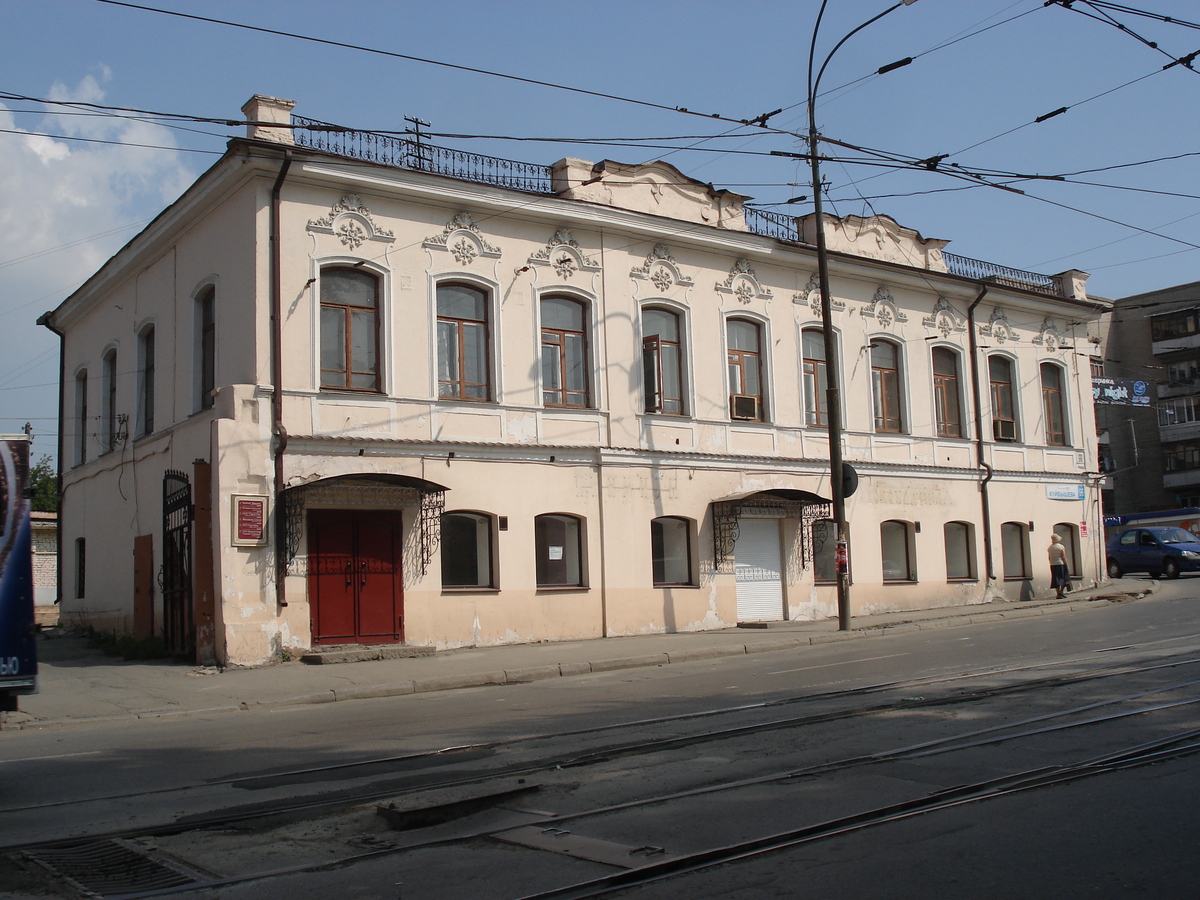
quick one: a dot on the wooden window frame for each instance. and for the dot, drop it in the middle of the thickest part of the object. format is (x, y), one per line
(348, 337)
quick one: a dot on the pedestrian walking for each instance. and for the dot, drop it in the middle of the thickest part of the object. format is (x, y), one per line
(1060, 578)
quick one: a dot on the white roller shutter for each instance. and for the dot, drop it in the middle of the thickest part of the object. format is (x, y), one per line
(758, 563)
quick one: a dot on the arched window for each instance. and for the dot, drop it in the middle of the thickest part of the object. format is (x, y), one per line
(466, 550)
(885, 386)
(559, 547)
(816, 377)
(206, 347)
(1004, 408)
(1014, 539)
(671, 550)
(1052, 405)
(462, 342)
(745, 369)
(960, 551)
(662, 361)
(945, 393)
(1070, 541)
(896, 546)
(565, 379)
(349, 329)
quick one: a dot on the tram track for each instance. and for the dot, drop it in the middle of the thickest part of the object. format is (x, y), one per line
(465, 753)
(1179, 744)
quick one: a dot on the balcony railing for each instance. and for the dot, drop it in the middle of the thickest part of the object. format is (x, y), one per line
(1018, 278)
(407, 153)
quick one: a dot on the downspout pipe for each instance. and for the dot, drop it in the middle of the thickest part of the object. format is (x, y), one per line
(47, 320)
(277, 429)
(988, 561)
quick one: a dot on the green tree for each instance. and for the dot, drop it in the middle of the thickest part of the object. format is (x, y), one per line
(43, 485)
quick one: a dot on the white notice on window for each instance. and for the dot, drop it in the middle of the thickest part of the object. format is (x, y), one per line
(556, 552)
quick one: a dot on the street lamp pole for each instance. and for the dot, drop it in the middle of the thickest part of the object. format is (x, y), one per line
(833, 401)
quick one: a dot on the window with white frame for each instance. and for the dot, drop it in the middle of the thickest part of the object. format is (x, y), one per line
(744, 357)
(662, 361)
(946, 406)
(816, 377)
(1053, 409)
(462, 342)
(565, 379)
(349, 329)
(1004, 406)
(885, 386)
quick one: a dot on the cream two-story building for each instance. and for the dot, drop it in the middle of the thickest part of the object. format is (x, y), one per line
(350, 389)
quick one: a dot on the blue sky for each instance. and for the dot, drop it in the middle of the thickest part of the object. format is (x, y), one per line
(66, 205)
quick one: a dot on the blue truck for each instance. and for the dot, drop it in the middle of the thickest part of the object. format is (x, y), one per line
(18, 646)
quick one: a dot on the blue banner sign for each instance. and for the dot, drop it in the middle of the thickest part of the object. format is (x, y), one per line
(1065, 492)
(1120, 392)
(18, 649)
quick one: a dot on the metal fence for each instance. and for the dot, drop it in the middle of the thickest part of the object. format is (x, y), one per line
(1018, 278)
(393, 150)
(408, 153)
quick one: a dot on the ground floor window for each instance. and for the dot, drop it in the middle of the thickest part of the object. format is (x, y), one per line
(1070, 541)
(1014, 537)
(466, 550)
(670, 547)
(960, 551)
(895, 539)
(559, 551)
(824, 540)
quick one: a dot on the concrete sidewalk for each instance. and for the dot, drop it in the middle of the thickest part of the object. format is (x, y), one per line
(78, 684)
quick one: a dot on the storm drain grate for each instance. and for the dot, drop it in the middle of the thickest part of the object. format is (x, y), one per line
(108, 868)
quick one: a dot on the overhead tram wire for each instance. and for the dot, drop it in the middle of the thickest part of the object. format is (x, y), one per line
(759, 121)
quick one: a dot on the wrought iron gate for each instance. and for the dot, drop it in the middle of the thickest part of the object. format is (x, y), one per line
(176, 581)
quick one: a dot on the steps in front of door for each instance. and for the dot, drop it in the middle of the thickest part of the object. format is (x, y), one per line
(344, 653)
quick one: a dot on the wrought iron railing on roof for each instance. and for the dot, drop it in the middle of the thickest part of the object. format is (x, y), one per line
(771, 224)
(408, 153)
(1018, 278)
(393, 150)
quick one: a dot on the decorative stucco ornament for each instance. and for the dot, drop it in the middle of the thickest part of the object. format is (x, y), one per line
(352, 223)
(748, 286)
(883, 308)
(468, 244)
(661, 270)
(564, 256)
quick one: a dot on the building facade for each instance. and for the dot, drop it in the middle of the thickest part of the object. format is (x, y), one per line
(1153, 435)
(354, 390)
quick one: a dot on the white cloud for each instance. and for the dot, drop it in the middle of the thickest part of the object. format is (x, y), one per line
(57, 192)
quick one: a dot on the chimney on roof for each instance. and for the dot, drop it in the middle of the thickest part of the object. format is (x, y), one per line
(265, 115)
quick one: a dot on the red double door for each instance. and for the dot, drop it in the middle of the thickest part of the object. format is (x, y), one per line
(355, 582)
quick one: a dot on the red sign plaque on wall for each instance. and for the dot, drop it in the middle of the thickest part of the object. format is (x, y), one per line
(249, 520)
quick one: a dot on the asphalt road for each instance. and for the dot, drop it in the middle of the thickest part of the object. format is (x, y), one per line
(1047, 756)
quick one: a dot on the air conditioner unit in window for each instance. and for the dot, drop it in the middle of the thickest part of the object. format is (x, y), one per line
(743, 406)
(1004, 429)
